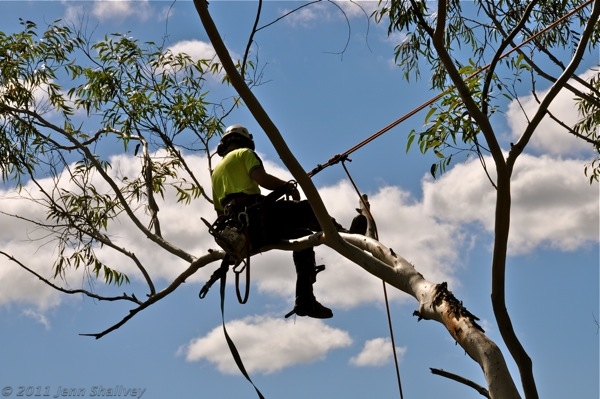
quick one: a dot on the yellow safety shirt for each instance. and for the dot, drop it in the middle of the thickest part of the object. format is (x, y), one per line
(232, 175)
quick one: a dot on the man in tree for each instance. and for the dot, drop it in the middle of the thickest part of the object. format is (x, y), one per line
(236, 183)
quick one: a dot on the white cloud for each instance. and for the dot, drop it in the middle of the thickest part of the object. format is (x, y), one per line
(39, 93)
(38, 317)
(553, 203)
(120, 10)
(376, 352)
(25, 243)
(111, 10)
(314, 13)
(549, 137)
(197, 49)
(31, 245)
(403, 224)
(22, 288)
(306, 16)
(74, 12)
(267, 344)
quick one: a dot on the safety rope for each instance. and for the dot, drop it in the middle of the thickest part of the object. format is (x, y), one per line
(343, 156)
(387, 304)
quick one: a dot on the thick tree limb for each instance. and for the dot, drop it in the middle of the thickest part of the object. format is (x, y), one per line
(502, 218)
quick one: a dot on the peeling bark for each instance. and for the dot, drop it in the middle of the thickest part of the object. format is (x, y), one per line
(436, 302)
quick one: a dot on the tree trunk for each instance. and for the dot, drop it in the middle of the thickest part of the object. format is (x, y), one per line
(436, 302)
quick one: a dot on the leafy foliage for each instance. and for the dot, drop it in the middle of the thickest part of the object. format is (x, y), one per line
(478, 62)
(151, 100)
(587, 127)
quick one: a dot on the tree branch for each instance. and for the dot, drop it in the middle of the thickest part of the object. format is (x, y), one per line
(155, 238)
(576, 58)
(484, 392)
(192, 268)
(498, 54)
(266, 123)
(125, 297)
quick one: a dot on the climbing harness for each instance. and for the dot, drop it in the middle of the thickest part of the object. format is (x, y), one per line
(231, 234)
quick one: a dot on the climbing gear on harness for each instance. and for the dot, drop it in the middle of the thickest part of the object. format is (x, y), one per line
(239, 269)
(230, 231)
(229, 234)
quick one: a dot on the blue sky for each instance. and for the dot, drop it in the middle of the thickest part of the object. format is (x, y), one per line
(324, 103)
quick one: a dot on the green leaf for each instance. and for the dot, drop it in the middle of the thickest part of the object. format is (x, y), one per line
(433, 169)
(411, 138)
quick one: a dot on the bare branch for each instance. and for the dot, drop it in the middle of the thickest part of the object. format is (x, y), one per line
(287, 14)
(149, 182)
(125, 297)
(484, 392)
(192, 268)
(498, 54)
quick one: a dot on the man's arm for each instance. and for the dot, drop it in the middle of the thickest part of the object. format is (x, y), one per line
(270, 182)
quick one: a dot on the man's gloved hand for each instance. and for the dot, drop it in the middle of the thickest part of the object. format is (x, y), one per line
(292, 190)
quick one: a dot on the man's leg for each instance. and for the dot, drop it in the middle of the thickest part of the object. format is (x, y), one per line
(306, 275)
(295, 219)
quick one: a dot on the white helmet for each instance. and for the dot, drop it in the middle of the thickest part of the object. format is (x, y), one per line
(235, 132)
(237, 129)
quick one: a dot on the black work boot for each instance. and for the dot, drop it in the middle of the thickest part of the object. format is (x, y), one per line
(359, 224)
(309, 306)
(306, 303)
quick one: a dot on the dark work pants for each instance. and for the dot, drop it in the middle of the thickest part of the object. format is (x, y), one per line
(282, 220)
